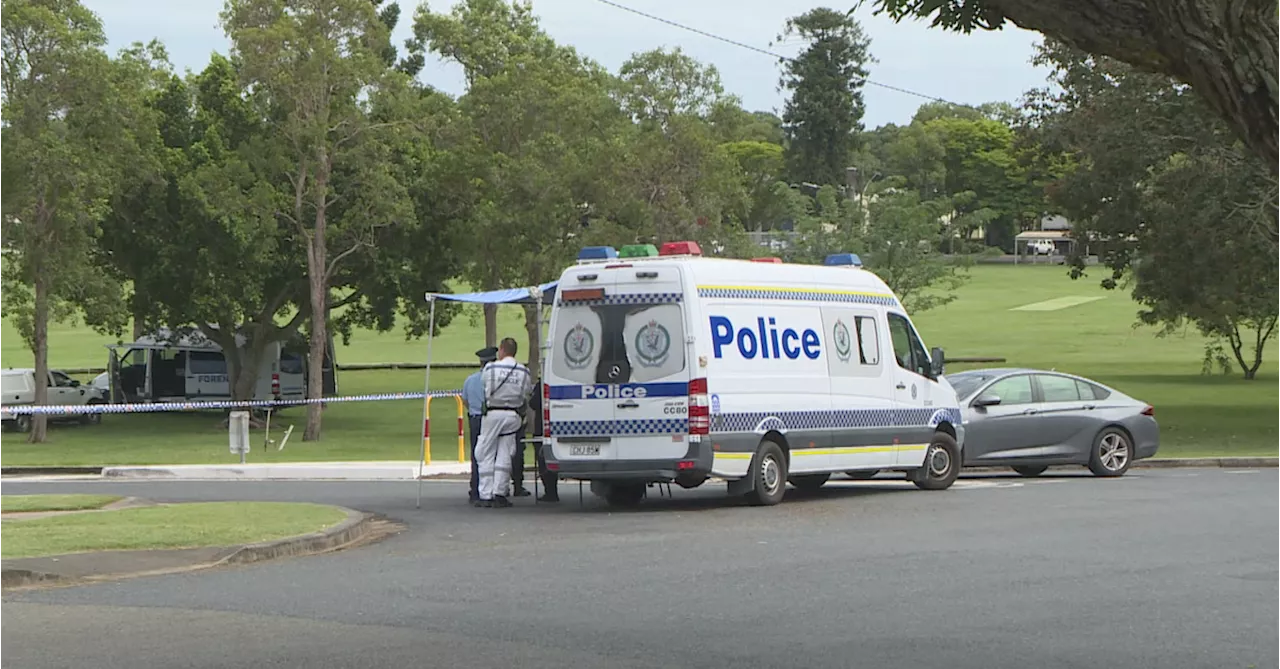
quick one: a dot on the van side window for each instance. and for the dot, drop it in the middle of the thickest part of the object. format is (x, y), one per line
(291, 363)
(201, 364)
(907, 347)
(868, 340)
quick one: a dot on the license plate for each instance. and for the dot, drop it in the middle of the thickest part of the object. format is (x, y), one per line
(584, 449)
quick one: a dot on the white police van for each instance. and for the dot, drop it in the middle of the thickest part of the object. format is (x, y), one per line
(670, 367)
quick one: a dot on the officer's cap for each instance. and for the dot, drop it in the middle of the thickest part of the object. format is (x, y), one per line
(487, 354)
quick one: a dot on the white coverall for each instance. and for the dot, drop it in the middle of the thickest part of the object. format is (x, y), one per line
(507, 385)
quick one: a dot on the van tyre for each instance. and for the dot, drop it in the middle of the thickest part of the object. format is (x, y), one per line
(1112, 453)
(941, 464)
(768, 475)
(624, 495)
(22, 424)
(809, 482)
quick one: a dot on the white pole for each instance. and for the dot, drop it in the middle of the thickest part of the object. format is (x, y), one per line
(426, 389)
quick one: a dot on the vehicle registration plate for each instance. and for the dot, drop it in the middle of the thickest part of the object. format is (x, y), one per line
(584, 449)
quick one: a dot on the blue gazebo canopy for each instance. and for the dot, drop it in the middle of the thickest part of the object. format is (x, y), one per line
(504, 296)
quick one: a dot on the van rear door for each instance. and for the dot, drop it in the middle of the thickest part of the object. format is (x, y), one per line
(580, 422)
(647, 327)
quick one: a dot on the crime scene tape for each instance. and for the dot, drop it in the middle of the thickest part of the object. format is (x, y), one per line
(157, 407)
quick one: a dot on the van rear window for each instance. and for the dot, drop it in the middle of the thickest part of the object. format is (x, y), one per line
(13, 383)
(631, 343)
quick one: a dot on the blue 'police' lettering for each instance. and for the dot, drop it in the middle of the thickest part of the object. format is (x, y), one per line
(764, 340)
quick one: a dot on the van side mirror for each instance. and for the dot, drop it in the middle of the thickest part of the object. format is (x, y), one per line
(939, 361)
(986, 400)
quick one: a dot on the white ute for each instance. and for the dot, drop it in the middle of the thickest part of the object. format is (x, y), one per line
(670, 367)
(18, 387)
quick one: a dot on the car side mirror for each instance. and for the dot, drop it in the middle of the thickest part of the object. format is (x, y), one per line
(939, 361)
(986, 400)
(75, 383)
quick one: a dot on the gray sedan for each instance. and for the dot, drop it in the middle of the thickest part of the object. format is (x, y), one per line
(1030, 419)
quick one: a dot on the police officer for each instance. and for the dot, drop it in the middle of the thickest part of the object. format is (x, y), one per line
(473, 399)
(507, 385)
(550, 480)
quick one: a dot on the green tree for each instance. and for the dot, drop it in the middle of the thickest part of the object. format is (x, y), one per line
(1167, 196)
(64, 109)
(312, 64)
(543, 135)
(660, 84)
(823, 115)
(900, 245)
(1209, 258)
(1227, 51)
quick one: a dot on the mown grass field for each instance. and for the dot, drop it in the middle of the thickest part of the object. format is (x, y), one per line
(166, 526)
(1199, 415)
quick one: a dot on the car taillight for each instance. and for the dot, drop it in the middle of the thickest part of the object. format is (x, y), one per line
(1149, 411)
(699, 410)
(546, 411)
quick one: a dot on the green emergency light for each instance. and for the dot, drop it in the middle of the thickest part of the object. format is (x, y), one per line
(638, 251)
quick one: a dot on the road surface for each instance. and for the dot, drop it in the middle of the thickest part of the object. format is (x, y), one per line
(1162, 568)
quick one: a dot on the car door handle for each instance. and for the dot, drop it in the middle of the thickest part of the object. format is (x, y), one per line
(628, 405)
(902, 386)
(1030, 412)
(1089, 407)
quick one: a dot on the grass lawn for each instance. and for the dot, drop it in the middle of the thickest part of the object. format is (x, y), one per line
(25, 503)
(1199, 415)
(174, 526)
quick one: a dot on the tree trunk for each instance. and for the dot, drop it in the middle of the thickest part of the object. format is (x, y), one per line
(490, 325)
(1225, 49)
(40, 321)
(318, 280)
(531, 317)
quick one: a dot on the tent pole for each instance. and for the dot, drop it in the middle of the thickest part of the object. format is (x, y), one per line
(426, 396)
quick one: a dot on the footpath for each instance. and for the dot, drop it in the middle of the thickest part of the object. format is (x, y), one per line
(402, 470)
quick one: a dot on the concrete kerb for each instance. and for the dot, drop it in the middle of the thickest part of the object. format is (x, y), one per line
(357, 528)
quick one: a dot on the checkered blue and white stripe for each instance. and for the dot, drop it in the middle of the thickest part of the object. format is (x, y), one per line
(602, 428)
(784, 421)
(760, 422)
(635, 298)
(157, 407)
(796, 295)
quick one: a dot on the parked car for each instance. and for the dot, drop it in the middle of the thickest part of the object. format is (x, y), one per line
(17, 386)
(1031, 419)
(1041, 247)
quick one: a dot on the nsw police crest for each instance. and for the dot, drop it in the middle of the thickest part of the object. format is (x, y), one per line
(579, 344)
(653, 344)
(843, 344)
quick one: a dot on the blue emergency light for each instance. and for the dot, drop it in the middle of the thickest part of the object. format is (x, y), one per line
(843, 259)
(597, 253)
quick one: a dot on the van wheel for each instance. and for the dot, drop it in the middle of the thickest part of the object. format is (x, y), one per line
(768, 474)
(941, 464)
(22, 423)
(809, 482)
(624, 495)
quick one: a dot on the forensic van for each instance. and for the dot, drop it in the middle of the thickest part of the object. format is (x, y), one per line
(663, 366)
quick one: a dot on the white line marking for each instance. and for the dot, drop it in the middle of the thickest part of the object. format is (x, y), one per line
(1240, 471)
(1059, 303)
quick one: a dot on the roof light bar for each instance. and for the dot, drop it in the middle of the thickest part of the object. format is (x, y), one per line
(597, 253)
(638, 251)
(680, 249)
(843, 260)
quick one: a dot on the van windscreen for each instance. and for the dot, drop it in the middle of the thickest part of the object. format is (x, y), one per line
(624, 343)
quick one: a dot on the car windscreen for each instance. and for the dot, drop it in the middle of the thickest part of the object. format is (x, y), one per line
(966, 383)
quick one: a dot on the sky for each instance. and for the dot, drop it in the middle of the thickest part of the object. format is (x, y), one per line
(970, 69)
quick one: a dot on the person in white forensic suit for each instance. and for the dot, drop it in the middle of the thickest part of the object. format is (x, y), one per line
(507, 385)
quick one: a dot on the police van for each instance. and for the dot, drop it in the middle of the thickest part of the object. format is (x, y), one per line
(665, 366)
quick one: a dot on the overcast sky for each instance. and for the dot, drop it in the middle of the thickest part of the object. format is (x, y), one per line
(972, 69)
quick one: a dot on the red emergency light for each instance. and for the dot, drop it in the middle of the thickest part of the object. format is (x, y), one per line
(582, 294)
(680, 249)
(772, 260)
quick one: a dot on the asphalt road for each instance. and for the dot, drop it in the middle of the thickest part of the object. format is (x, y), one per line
(1163, 568)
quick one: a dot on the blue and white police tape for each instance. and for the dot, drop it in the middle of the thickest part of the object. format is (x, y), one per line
(155, 407)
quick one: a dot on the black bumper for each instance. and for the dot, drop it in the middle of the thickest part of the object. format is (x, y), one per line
(650, 471)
